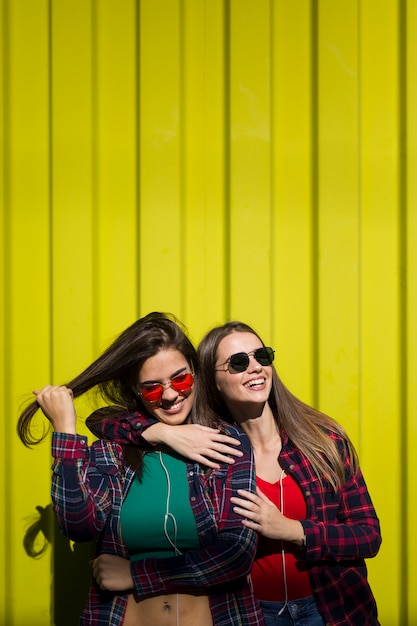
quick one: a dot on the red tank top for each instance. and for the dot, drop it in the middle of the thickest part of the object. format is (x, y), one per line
(268, 570)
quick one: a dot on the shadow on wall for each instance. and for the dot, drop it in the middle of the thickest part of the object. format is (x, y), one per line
(71, 569)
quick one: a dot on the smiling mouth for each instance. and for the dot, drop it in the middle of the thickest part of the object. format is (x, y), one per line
(258, 382)
(173, 407)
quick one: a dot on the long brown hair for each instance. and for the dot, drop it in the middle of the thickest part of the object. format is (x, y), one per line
(114, 373)
(306, 427)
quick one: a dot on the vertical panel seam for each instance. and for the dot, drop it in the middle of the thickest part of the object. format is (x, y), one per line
(51, 188)
(314, 200)
(7, 461)
(271, 165)
(95, 246)
(360, 234)
(138, 158)
(227, 164)
(50, 234)
(182, 156)
(403, 321)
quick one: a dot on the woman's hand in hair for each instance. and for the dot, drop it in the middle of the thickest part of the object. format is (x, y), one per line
(57, 404)
(262, 515)
(202, 444)
(112, 573)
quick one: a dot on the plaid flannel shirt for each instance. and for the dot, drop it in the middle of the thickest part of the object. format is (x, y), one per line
(342, 528)
(88, 487)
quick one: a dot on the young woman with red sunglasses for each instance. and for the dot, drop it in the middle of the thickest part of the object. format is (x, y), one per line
(171, 550)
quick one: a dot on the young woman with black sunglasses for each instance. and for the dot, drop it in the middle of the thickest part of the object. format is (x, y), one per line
(171, 551)
(312, 508)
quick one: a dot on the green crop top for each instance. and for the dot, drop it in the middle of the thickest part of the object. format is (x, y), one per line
(156, 516)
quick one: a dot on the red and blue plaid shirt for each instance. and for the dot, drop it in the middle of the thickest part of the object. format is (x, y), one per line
(88, 488)
(342, 528)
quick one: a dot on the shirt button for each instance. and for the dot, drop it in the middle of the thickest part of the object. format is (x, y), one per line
(82, 441)
(308, 493)
(193, 498)
(291, 467)
(191, 473)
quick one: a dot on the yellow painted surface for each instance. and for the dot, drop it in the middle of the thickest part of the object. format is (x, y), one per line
(115, 167)
(380, 313)
(161, 225)
(251, 160)
(26, 203)
(292, 279)
(409, 271)
(249, 168)
(203, 172)
(338, 225)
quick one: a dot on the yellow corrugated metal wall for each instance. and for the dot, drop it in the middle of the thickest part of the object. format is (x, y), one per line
(216, 159)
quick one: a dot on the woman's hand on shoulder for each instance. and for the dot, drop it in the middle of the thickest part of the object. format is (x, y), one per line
(202, 444)
(57, 404)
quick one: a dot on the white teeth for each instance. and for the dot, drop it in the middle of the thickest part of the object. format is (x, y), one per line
(175, 406)
(254, 383)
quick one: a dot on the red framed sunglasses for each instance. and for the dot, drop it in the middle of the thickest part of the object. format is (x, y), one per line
(152, 392)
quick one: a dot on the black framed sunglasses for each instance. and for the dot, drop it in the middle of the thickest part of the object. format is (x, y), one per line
(239, 362)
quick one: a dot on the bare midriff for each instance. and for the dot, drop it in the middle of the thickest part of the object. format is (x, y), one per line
(168, 610)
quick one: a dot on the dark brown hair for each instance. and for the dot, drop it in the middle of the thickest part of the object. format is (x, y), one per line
(115, 372)
(307, 428)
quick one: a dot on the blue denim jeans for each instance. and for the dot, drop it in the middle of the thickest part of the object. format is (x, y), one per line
(302, 612)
